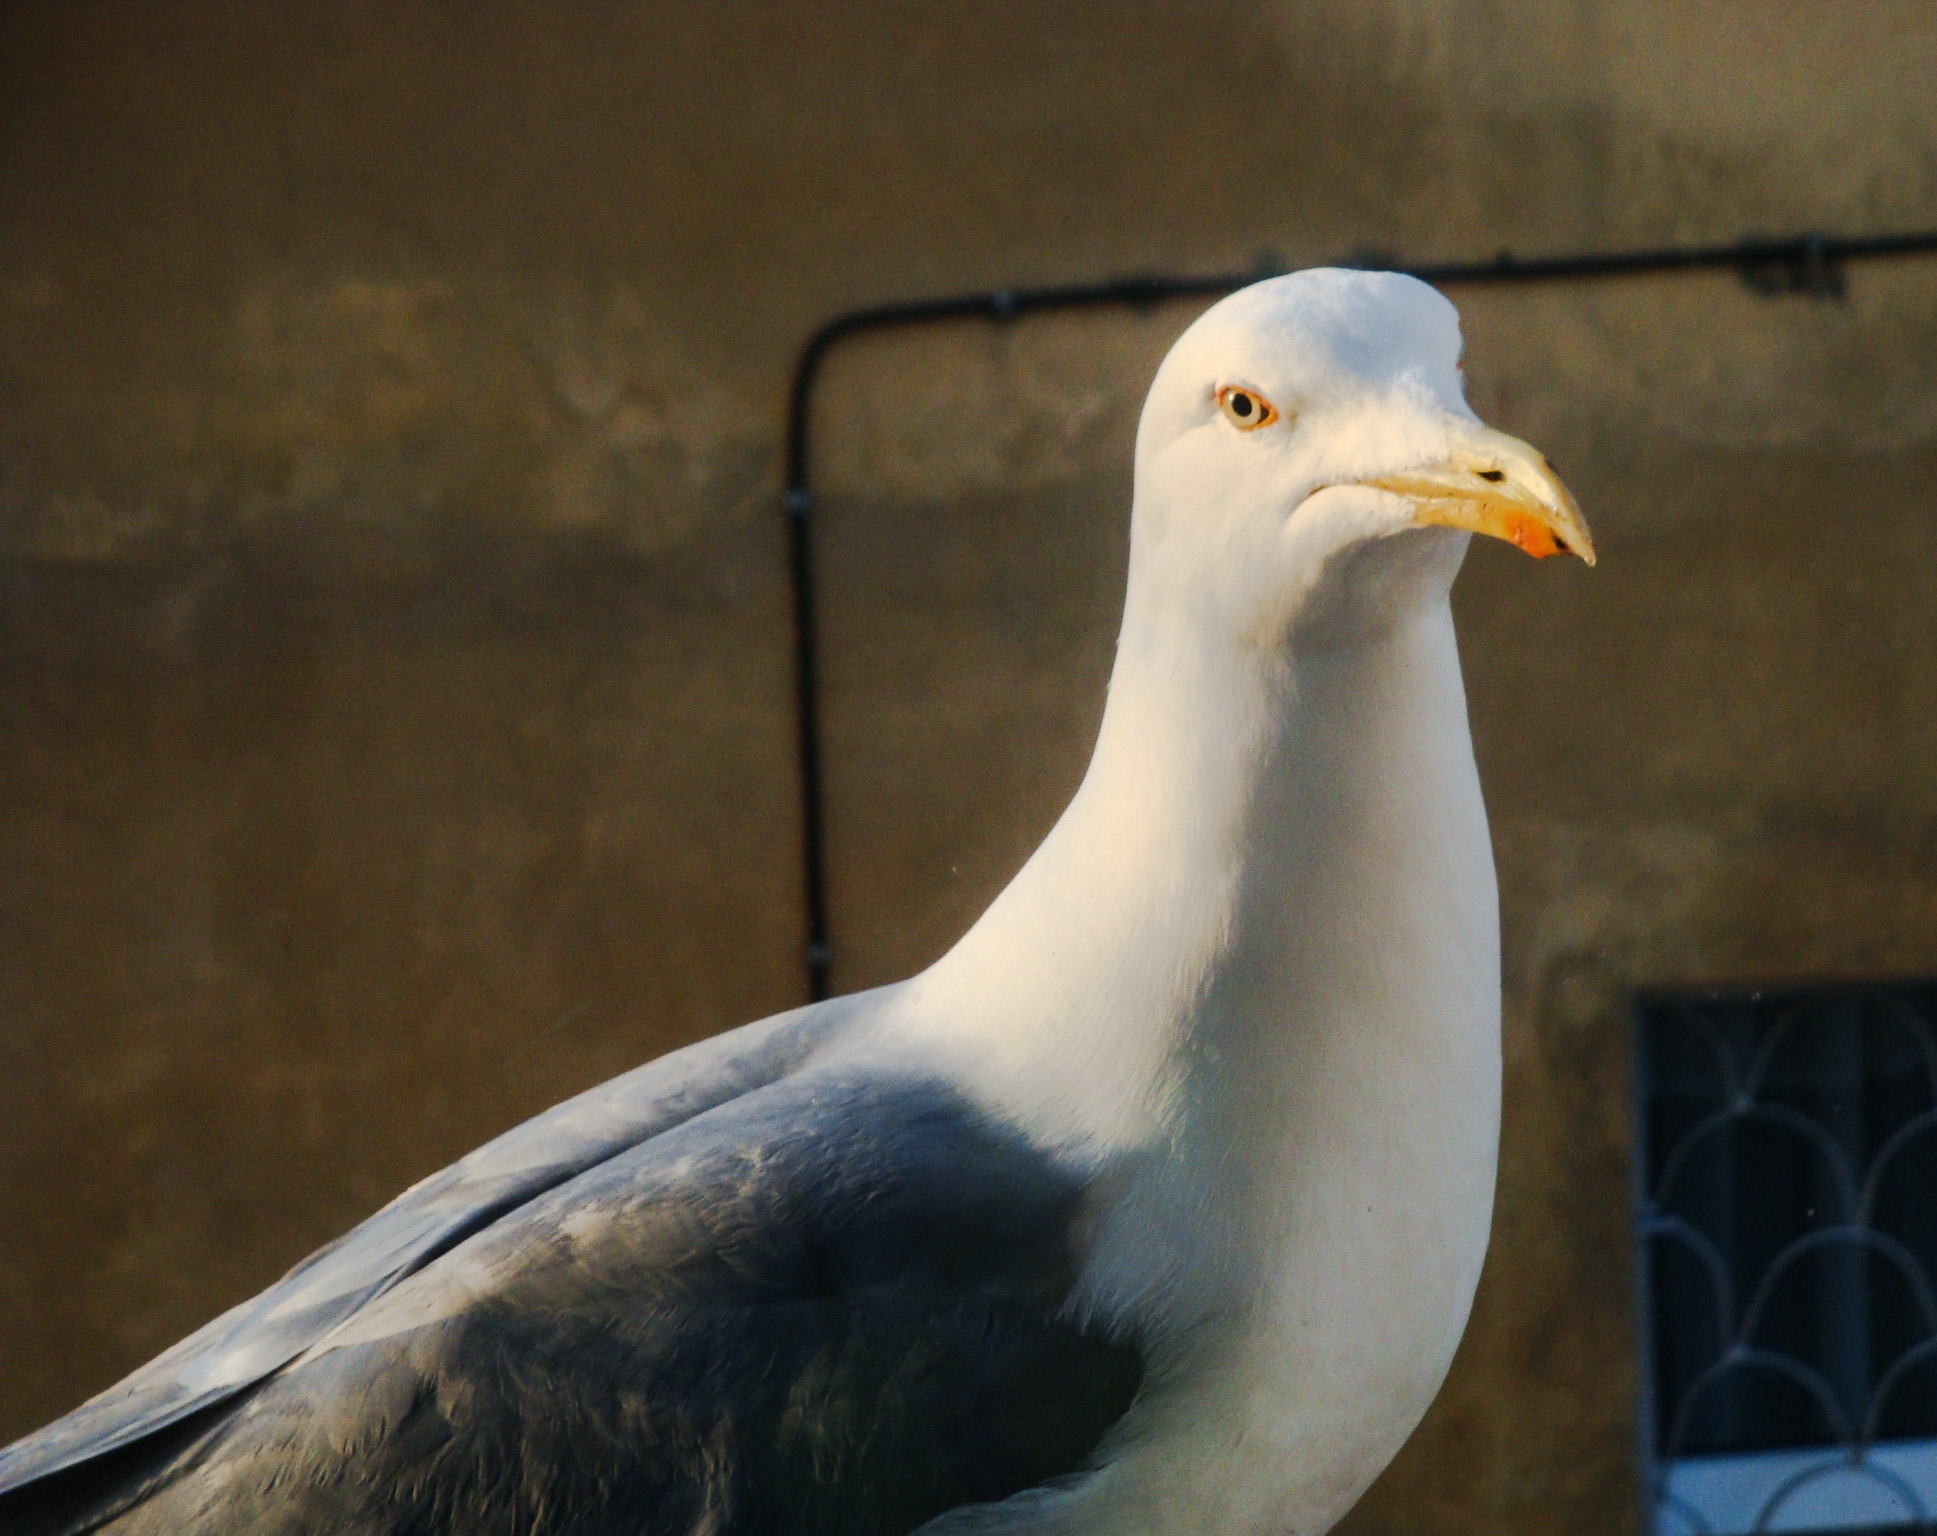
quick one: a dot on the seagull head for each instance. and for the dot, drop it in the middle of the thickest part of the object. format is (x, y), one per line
(1307, 463)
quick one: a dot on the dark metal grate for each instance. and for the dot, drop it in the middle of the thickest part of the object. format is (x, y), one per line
(1788, 1240)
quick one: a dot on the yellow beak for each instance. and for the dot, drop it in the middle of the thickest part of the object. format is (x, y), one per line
(1500, 486)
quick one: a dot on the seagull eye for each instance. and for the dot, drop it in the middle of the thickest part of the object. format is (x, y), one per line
(1245, 409)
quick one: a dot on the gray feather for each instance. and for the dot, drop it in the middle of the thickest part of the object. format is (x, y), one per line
(260, 1336)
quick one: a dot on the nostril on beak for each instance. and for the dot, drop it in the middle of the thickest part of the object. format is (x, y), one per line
(1495, 475)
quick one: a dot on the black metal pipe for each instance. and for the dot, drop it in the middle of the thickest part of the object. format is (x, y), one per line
(1806, 264)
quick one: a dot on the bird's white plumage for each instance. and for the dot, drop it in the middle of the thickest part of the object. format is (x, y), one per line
(1258, 956)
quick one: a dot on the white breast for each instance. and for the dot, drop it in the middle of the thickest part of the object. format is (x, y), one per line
(1301, 1227)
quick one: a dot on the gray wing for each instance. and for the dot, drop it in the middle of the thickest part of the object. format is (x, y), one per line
(838, 1304)
(250, 1341)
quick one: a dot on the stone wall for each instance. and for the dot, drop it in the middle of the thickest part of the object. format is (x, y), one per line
(395, 710)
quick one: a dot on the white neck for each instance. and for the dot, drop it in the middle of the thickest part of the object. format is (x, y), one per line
(1269, 843)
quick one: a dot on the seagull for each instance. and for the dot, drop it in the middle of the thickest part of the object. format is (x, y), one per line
(1155, 1205)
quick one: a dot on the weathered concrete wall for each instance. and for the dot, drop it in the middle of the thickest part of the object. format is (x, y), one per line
(394, 691)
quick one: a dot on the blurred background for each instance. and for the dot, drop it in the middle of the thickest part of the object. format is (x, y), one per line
(396, 726)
